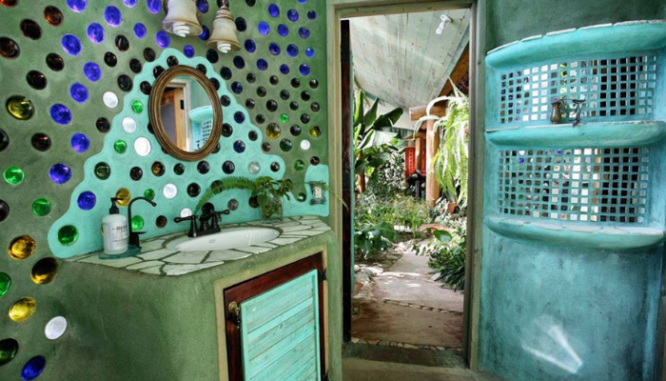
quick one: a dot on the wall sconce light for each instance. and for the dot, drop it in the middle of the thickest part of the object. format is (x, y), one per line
(224, 37)
(445, 21)
(183, 18)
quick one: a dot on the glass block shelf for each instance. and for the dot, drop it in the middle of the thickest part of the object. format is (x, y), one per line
(630, 36)
(606, 134)
(576, 234)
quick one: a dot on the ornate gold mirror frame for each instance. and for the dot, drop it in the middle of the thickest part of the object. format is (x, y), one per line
(156, 115)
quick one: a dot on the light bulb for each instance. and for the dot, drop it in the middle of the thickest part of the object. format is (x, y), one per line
(224, 47)
(181, 29)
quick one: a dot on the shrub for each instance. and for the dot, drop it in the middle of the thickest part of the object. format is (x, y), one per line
(370, 239)
(376, 218)
(389, 178)
(447, 251)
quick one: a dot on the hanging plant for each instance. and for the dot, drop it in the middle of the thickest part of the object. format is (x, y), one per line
(450, 164)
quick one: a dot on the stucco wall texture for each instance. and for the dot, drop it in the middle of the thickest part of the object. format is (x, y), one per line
(510, 20)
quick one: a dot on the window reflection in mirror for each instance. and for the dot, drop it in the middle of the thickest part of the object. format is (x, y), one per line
(187, 113)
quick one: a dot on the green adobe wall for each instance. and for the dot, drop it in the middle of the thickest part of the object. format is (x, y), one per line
(84, 116)
(510, 20)
(128, 326)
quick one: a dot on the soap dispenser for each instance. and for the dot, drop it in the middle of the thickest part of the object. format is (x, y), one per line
(115, 230)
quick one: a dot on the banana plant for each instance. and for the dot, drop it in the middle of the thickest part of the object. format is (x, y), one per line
(369, 155)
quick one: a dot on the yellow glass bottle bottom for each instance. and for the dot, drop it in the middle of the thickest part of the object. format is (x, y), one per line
(23, 309)
(124, 195)
(22, 247)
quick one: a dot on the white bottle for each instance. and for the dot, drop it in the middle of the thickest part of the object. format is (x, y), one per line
(114, 227)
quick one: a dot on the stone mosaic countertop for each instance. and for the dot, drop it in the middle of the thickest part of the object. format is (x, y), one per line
(159, 258)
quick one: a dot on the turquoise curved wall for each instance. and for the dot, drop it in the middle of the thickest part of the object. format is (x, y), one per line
(559, 300)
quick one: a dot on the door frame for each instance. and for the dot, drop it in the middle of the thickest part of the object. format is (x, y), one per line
(343, 9)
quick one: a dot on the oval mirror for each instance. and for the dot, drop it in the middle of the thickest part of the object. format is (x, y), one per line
(186, 113)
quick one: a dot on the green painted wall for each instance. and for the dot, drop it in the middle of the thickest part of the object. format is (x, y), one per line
(510, 20)
(127, 326)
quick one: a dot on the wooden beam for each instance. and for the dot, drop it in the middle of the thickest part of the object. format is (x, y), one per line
(416, 113)
(459, 75)
(432, 147)
(418, 135)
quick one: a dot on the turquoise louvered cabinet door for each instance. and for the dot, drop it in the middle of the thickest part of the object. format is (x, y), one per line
(279, 332)
(275, 325)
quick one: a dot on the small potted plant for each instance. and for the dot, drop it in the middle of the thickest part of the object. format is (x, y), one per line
(267, 192)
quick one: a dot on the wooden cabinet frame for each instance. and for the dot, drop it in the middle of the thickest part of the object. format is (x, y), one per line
(243, 291)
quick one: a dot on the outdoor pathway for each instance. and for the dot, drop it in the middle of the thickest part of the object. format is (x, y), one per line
(401, 306)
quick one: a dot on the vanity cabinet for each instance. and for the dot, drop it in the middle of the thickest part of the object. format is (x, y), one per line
(275, 324)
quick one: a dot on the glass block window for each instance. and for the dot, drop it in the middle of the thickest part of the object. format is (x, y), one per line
(611, 87)
(577, 184)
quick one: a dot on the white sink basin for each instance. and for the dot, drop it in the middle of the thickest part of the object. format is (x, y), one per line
(227, 239)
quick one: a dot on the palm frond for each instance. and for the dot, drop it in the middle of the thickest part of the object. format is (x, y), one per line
(371, 116)
(358, 109)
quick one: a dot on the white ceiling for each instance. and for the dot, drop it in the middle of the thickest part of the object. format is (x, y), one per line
(401, 60)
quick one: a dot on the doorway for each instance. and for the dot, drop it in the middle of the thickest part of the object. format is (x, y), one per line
(342, 118)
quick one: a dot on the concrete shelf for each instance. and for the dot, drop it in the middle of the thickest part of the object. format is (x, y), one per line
(634, 36)
(600, 134)
(621, 237)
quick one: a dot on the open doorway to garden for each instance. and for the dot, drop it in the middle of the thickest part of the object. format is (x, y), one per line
(409, 79)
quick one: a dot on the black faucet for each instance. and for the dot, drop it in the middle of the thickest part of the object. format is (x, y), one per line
(208, 221)
(194, 231)
(134, 239)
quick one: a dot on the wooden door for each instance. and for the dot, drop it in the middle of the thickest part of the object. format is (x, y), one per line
(275, 325)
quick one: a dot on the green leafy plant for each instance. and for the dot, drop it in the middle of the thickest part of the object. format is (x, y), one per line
(367, 153)
(376, 217)
(371, 238)
(450, 164)
(268, 192)
(447, 251)
(234, 182)
(389, 178)
(412, 213)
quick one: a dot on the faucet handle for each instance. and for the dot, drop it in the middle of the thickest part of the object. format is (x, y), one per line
(188, 218)
(194, 231)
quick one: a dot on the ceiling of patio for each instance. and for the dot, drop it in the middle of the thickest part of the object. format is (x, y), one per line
(402, 60)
